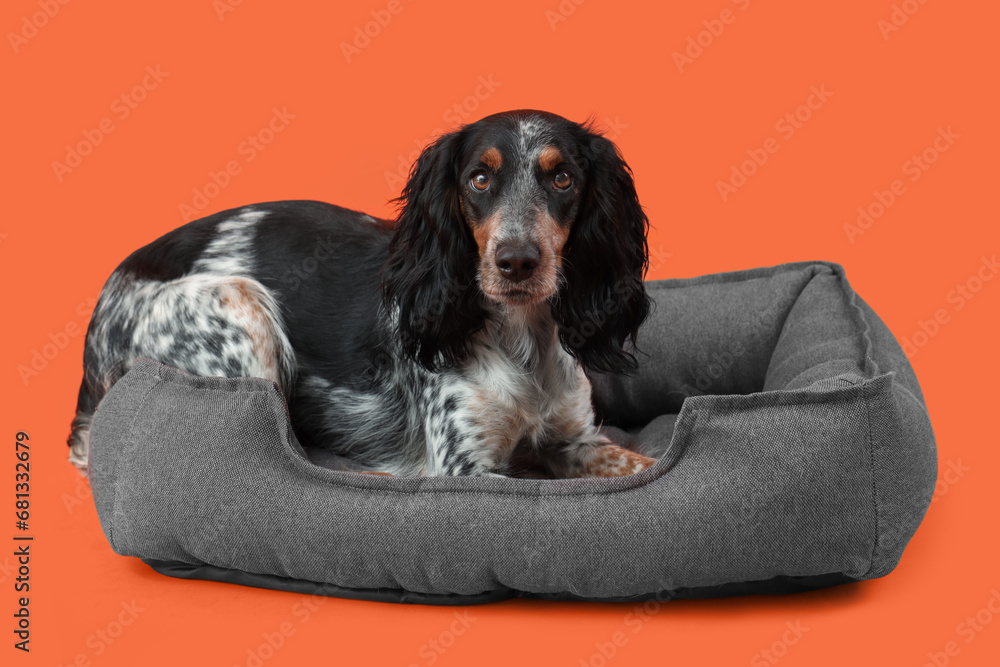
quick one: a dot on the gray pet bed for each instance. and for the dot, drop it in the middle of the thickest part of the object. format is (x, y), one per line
(796, 452)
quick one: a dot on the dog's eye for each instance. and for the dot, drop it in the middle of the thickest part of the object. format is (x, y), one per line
(562, 180)
(480, 180)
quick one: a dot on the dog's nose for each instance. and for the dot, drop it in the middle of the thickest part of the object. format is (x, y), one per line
(517, 261)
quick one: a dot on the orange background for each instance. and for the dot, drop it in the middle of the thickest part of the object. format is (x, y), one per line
(358, 118)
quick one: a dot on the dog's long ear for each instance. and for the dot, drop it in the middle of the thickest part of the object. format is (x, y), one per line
(430, 277)
(603, 302)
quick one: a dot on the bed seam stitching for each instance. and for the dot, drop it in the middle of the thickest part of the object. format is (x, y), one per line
(121, 454)
(871, 463)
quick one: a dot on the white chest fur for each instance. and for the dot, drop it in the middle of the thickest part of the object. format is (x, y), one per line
(526, 385)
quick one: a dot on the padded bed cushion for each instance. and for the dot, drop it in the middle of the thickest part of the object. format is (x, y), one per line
(794, 442)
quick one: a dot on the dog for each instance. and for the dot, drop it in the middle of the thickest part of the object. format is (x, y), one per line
(454, 340)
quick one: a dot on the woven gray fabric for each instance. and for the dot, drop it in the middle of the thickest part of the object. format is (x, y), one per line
(793, 435)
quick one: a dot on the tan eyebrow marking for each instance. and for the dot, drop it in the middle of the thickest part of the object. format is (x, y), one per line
(492, 158)
(549, 158)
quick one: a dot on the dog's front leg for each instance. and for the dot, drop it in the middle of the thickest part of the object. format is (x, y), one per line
(594, 456)
(465, 455)
(460, 442)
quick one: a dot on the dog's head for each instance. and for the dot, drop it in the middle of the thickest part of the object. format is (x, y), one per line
(520, 208)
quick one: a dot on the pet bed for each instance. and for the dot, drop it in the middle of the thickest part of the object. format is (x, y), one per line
(795, 451)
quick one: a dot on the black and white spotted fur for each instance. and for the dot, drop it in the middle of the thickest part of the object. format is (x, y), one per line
(452, 341)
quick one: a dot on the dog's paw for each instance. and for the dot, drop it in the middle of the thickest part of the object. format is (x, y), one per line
(614, 461)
